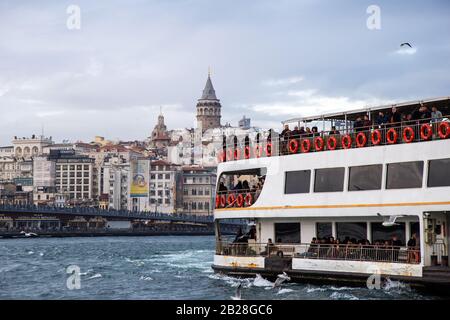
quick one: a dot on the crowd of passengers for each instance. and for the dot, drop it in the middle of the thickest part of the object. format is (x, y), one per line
(254, 186)
(332, 248)
(420, 115)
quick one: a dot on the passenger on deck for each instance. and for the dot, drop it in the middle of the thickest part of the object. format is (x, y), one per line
(413, 255)
(381, 119)
(424, 113)
(358, 124)
(269, 247)
(396, 116)
(238, 186)
(308, 132)
(301, 131)
(315, 132)
(222, 187)
(286, 133)
(436, 115)
(333, 131)
(366, 122)
(295, 133)
(245, 186)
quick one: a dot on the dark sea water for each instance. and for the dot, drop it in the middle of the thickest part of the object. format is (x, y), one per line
(146, 268)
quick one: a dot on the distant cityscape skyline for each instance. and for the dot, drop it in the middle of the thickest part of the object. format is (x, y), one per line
(111, 76)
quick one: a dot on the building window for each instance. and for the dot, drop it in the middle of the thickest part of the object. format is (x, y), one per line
(160, 176)
(194, 206)
(381, 234)
(324, 230)
(287, 232)
(439, 173)
(329, 180)
(404, 175)
(200, 206)
(297, 181)
(365, 177)
(185, 191)
(167, 176)
(194, 192)
(351, 231)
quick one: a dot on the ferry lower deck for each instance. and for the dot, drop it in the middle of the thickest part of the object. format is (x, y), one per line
(345, 250)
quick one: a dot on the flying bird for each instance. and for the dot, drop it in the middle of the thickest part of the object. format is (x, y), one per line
(237, 295)
(280, 279)
(390, 221)
(406, 44)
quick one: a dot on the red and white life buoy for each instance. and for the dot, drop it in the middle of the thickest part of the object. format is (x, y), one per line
(248, 199)
(318, 143)
(217, 201)
(223, 201)
(258, 151)
(269, 149)
(444, 130)
(375, 137)
(361, 140)
(305, 145)
(392, 136)
(237, 153)
(230, 199)
(426, 132)
(247, 152)
(293, 146)
(346, 141)
(240, 200)
(408, 135)
(331, 143)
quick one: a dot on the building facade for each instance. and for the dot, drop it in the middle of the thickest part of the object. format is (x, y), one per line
(198, 190)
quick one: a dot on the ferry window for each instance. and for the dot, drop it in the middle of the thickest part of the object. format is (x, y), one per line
(297, 181)
(381, 233)
(439, 173)
(365, 178)
(404, 175)
(324, 230)
(351, 231)
(329, 180)
(287, 232)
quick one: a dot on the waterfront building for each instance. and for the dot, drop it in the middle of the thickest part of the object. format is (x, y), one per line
(74, 175)
(114, 183)
(198, 190)
(165, 186)
(244, 123)
(28, 147)
(6, 151)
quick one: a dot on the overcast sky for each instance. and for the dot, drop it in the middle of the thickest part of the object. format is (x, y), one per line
(270, 60)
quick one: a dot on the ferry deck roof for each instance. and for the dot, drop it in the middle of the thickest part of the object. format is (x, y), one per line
(442, 103)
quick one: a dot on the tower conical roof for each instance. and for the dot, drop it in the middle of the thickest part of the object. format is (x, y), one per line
(209, 93)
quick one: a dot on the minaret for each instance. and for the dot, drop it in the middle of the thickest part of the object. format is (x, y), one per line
(208, 108)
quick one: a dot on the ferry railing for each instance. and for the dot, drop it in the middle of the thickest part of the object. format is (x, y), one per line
(351, 252)
(357, 137)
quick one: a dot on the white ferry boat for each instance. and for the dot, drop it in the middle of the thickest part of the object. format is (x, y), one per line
(366, 194)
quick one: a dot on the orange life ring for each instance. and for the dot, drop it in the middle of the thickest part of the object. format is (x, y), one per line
(318, 143)
(444, 130)
(392, 136)
(375, 137)
(346, 141)
(306, 145)
(248, 199)
(269, 149)
(237, 154)
(408, 134)
(217, 201)
(425, 131)
(230, 199)
(240, 200)
(223, 201)
(247, 152)
(331, 146)
(293, 146)
(361, 143)
(258, 151)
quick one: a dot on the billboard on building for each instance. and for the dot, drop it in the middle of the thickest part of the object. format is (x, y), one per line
(140, 173)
